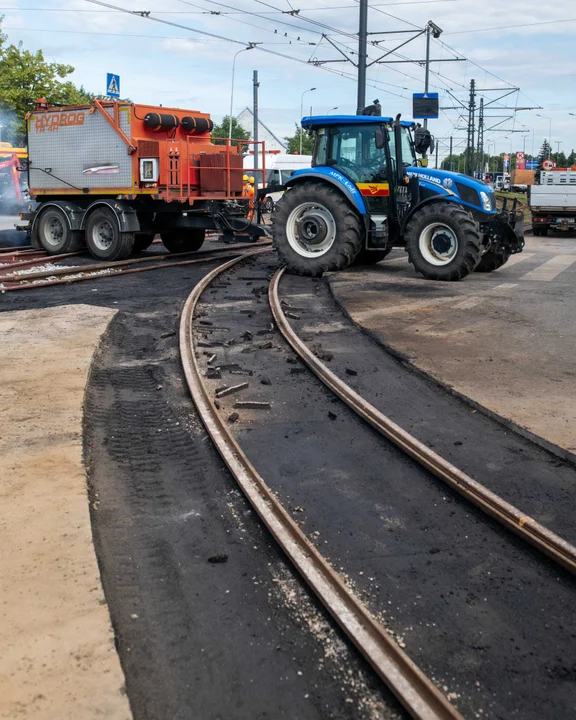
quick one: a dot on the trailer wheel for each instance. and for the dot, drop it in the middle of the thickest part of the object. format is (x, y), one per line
(371, 257)
(143, 241)
(539, 230)
(52, 232)
(443, 242)
(491, 261)
(181, 241)
(269, 205)
(316, 230)
(103, 236)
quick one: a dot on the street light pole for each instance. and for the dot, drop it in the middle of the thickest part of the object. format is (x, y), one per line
(549, 132)
(250, 47)
(302, 113)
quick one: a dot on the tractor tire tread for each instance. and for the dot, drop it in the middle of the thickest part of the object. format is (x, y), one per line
(469, 230)
(349, 230)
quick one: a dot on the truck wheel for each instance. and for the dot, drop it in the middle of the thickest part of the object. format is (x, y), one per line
(103, 236)
(443, 242)
(181, 241)
(316, 230)
(371, 257)
(143, 241)
(539, 230)
(52, 232)
(491, 261)
(269, 205)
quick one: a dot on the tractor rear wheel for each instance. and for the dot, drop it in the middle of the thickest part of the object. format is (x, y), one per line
(316, 230)
(443, 241)
(52, 233)
(181, 241)
(491, 261)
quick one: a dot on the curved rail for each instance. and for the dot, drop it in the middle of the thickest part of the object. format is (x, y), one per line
(95, 271)
(414, 690)
(508, 515)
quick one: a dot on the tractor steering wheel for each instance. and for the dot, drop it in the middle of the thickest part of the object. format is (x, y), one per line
(351, 166)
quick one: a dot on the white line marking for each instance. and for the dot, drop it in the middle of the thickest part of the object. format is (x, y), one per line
(549, 270)
(502, 286)
(517, 258)
(469, 303)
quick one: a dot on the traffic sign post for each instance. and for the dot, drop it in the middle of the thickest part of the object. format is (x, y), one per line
(112, 85)
(425, 106)
(520, 161)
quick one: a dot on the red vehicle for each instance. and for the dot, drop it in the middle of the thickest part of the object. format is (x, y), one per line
(113, 174)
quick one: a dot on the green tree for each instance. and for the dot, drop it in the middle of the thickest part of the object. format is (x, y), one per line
(571, 160)
(544, 153)
(223, 129)
(25, 77)
(293, 142)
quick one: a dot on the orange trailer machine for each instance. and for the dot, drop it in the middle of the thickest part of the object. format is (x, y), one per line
(113, 174)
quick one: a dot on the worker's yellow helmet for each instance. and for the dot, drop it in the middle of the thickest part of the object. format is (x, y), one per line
(251, 179)
(245, 178)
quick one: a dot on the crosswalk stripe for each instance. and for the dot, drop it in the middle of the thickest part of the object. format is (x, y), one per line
(517, 258)
(469, 303)
(550, 269)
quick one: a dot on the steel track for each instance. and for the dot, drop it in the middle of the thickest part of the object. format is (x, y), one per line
(411, 686)
(506, 514)
(81, 273)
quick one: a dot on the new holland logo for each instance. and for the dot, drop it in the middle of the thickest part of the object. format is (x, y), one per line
(374, 189)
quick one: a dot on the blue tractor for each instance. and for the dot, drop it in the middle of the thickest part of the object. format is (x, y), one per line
(366, 193)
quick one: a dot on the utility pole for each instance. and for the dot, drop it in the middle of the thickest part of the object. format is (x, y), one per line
(436, 158)
(480, 159)
(255, 85)
(471, 129)
(362, 56)
(450, 154)
(427, 72)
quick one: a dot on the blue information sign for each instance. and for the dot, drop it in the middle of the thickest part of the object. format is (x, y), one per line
(112, 85)
(531, 164)
(425, 106)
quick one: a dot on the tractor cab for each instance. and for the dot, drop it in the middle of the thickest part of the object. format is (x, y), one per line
(366, 193)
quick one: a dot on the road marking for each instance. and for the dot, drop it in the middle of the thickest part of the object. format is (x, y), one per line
(550, 269)
(418, 306)
(502, 286)
(517, 258)
(469, 303)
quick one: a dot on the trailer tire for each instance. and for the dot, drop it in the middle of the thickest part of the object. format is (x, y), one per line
(103, 236)
(181, 241)
(491, 261)
(52, 233)
(143, 241)
(316, 230)
(443, 242)
(539, 231)
(371, 257)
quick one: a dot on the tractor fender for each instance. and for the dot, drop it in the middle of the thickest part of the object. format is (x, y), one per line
(428, 201)
(344, 184)
(125, 214)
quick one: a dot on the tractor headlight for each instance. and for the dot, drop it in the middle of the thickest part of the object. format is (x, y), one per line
(486, 202)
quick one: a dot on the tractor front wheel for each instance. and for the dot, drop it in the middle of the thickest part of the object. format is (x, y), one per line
(316, 230)
(443, 241)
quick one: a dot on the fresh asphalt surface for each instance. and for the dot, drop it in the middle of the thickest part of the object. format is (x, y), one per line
(210, 621)
(490, 620)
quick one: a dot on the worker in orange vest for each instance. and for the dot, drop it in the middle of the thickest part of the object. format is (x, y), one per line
(249, 193)
(245, 186)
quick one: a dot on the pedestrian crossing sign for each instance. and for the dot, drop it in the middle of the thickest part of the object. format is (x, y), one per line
(113, 85)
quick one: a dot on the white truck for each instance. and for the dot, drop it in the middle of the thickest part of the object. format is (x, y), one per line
(553, 201)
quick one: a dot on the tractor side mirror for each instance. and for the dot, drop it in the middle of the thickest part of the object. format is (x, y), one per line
(432, 145)
(422, 162)
(380, 137)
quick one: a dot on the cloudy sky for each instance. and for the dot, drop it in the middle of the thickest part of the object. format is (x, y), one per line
(517, 43)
